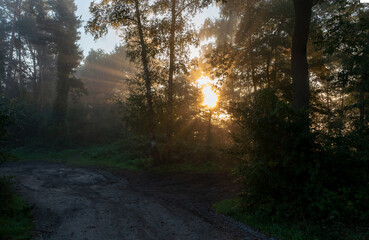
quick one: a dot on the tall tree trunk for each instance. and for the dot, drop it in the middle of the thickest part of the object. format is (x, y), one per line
(19, 50)
(209, 136)
(34, 76)
(300, 75)
(170, 80)
(362, 106)
(299, 65)
(150, 110)
(328, 104)
(20, 70)
(62, 92)
(41, 84)
(8, 80)
(267, 70)
(254, 84)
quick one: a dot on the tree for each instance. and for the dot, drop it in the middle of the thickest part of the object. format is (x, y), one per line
(178, 35)
(64, 27)
(4, 28)
(133, 16)
(299, 64)
(346, 42)
(254, 53)
(39, 48)
(9, 82)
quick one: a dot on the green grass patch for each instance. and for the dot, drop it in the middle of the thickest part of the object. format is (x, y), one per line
(199, 168)
(125, 154)
(130, 153)
(287, 230)
(15, 216)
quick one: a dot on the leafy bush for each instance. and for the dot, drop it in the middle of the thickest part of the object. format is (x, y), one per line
(293, 173)
(340, 179)
(15, 215)
(267, 149)
(6, 119)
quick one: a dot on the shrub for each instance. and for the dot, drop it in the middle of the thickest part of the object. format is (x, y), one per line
(292, 173)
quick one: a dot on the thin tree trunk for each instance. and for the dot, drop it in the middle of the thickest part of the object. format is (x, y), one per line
(362, 107)
(254, 84)
(329, 110)
(150, 111)
(170, 81)
(299, 64)
(267, 70)
(8, 80)
(34, 76)
(209, 136)
(41, 84)
(20, 70)
(62, 92)
(21, 82)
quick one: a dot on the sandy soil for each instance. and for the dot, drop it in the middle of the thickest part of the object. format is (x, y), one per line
(79, 203)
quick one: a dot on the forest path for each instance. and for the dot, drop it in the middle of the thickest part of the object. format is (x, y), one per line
(78, 203)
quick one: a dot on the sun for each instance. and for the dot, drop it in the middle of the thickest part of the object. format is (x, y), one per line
(210, 97)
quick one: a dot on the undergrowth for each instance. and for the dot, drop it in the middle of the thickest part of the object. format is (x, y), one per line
(124, 154)
(15, 216)
(130, 153)
(288, 230)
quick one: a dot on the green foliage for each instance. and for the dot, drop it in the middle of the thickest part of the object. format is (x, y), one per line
(267, 146)
(292, 174)
(15, 216)
(340, 179)
(7, 118)
(130, 153)
(264, 223)
(285, 229)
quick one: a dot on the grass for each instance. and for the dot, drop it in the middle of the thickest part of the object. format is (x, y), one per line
(130, 153)
(287, 230)
(190, 167)
(15, 216)
(117, 155)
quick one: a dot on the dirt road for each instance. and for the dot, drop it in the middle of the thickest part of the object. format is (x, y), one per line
(81, 204)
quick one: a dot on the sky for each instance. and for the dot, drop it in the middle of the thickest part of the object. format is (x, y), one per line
(109, 41)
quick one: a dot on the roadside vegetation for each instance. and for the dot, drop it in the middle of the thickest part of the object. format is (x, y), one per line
(128, 154)
(288, 229)
(16, 221)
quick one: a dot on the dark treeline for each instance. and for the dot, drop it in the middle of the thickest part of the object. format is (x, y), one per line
(291, 77)
(38, 60)
(290, 171)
